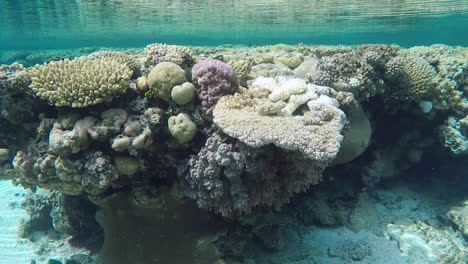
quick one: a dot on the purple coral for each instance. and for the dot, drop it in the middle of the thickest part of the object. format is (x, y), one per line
(213, 79)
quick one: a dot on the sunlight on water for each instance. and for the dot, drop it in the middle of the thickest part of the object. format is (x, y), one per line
(136, 22)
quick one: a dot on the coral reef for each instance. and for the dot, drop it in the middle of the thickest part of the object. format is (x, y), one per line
(256, 150)
(231, 178)
(213, 79)
(156, 53)
(425, 243)
(183, 94)
(459, 216)
(16, 103)
(163, 77)
(182, 127)
(265, 115)
(81, 82)
(455, 135)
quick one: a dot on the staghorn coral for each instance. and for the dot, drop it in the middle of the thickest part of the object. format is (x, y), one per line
(422, 242)
(156, 53)
(264, 116)
(213, 79)
(81, 82)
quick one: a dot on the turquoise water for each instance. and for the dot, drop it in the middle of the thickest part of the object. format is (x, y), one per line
(265, 132)
(52, 24)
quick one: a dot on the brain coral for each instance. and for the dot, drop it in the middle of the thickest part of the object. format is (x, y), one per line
(213, 79)
(266, 115)
(416, 73)
(81, 82)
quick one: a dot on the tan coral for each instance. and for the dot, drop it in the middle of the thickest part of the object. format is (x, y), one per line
(156, 53)
(119, 57)
(81, 82)
(241, 67)
(421, 75)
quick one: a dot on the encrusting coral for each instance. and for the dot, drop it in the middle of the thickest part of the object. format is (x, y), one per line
(213, 79)
(81, 82)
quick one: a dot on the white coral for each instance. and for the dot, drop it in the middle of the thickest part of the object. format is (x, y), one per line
(257, 119)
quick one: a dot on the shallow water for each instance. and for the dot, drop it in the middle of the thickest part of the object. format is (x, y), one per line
(46, 24)
(102, 162)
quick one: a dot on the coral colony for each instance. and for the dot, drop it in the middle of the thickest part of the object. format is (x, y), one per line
(200, 149)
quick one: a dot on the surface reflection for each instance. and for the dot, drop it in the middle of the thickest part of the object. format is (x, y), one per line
(235, 19)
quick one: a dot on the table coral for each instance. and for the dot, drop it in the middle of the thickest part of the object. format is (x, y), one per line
(264, 116)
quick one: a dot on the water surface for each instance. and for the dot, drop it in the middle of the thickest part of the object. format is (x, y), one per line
(30, 24)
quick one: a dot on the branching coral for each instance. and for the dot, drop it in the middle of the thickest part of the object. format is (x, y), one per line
(229, 177)
(81, 82)
(119, 57)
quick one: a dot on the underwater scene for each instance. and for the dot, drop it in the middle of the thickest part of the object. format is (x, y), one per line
(233, 132)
